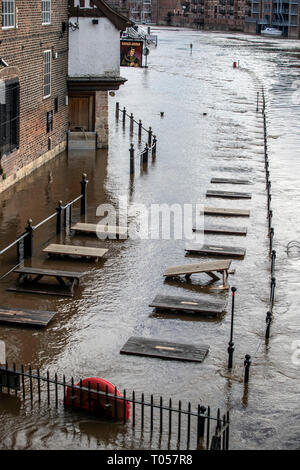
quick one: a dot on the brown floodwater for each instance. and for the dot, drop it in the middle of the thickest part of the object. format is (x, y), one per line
(111, 304)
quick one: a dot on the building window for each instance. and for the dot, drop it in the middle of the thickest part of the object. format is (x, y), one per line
(9, 115)
(8, 13)
(47, 74)
(46, 11)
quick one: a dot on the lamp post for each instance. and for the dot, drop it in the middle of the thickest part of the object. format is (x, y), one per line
(231, 343)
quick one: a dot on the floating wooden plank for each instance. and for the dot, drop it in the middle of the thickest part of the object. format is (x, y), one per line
(25, 317)
(228, 194)
(200, 306)
(164, 349)
(221, 229)
(226, 212)
(214, 250)
(229, 181)
(187, 270)
(95, 229)
(73, 250)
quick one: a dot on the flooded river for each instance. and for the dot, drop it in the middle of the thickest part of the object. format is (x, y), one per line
(210, 128)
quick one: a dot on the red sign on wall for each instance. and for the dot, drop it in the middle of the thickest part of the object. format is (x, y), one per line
(131, 53)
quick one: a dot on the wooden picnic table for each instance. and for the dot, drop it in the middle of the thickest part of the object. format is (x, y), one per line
(74, 250)
(28, 281)
(208, 268)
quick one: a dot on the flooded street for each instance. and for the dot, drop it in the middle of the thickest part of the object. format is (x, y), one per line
(210, 128)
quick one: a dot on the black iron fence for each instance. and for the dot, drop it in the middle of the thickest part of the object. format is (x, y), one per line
(150, 146)
(24, 244)
(195, 427)
(272, 252)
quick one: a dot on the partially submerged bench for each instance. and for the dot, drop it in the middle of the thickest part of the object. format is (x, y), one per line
(214, 250)
(228, 194)
(229, 181)
(226, 212)
(183, 304)
(25, 317)
(138, 346)
(28, 281)
(96, 229)
(208, 268)
(74, 250)
(221, 229)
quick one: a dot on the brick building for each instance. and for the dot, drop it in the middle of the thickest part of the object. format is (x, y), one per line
(281, 14)
(33, 86)
(58, 60)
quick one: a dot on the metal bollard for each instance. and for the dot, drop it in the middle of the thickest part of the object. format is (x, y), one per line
(270, 215)
(247, 364)
(131, 153)
(83, 201)
(140, 129)
(145, 155)
(150, 136)
(154, 147)
(230, 348)
(117, 110)
(271, 239)
(272, 292)
(273, 262)
(28, 241)
(268, 322)
(59, 210)
(131, 122)
(257, 101)
(124, 114)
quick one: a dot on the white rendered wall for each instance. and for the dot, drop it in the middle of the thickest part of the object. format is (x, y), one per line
(94, 49)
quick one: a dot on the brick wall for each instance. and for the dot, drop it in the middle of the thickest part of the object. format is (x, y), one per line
(23, 49)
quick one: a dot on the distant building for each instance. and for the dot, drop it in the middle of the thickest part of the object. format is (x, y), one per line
(282, 14)
(204, 14)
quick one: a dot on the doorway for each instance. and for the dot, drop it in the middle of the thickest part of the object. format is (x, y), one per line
(81, 113)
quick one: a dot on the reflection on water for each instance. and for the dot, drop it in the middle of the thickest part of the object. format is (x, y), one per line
(210, 128)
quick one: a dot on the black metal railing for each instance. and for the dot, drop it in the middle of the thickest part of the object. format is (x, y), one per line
(24, 244)
(150, 146)
(272, 252)
(194, 426)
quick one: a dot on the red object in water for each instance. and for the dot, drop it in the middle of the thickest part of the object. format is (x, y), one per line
(98, 404)
(234, 65)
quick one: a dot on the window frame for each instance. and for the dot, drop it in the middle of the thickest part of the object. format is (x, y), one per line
(45, 12)
(5, 13)
(10, 126)
(48, 51)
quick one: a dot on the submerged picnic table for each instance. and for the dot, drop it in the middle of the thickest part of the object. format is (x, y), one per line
(214, 250)
(226, 211)
(28, 281)
(97, 229)
(25, 317)
(74, 250)
(200, 306)
(208, 268)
